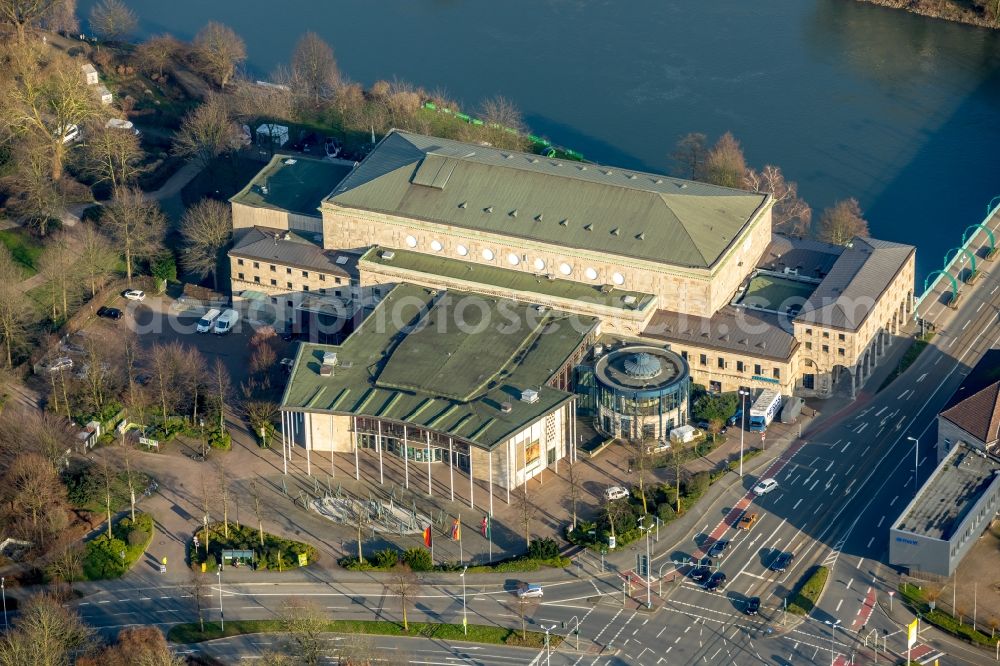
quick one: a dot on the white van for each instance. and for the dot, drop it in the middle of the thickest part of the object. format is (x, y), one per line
(71, 134)
(225, 322)
(118, 123)
(205, 323)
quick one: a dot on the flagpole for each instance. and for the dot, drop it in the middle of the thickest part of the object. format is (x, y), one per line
(489, 534)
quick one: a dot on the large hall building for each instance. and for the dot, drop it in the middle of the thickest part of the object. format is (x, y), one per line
(689, 280)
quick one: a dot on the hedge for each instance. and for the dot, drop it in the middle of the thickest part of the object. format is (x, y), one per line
(277, 553)
(808, 592)
(913, 596)
(103, 556)
(190, 632)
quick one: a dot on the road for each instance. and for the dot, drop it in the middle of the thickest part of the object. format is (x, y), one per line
(840, 488)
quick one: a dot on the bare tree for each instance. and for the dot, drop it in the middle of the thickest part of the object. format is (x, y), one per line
(498, 115)
(47, 633)
(34, 498)
(219, 51)
(164, 363)
(196, 587)
(304, 624)
(790, 215)
(15, 308)
(522, 611)
(62, 17)
(247, 100)
(259, 414)
(526, 512)
(725, 164)
(314, 73)
(403, 583)
(221, 388)
(223, 492)
(840, 223)
(157, 53)
(34, 195)
(689, 156)
(206, 228)
(137, 225)
(26, 14)
(111, 155)
(207, 132)
(45, 97)
(642, 457)
(615, 511)
(61, 269)
(136, 646)
(97, 259)
(573, 478)
(65, 560)
(255, 496)
(112, 20)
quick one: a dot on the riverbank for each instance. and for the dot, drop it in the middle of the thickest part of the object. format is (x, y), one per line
(946, 10)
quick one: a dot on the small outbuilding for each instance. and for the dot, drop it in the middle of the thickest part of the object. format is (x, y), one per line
(105, 95)
(276, 135)
(683, 434)
(90, 74)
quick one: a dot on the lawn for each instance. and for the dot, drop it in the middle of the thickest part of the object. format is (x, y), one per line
(809, 591)
(24, 247)
(189, 632)
(774, 293)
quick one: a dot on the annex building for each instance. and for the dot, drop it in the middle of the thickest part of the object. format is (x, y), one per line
(479, 385)
(666, 262)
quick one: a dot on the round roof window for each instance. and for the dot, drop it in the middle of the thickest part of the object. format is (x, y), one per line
(565, 268)
(436, 245)
(411, 241)
(590, 273)
(462, 250)
(513, 259)
(539, 264)
(488, 254)
(618, 278)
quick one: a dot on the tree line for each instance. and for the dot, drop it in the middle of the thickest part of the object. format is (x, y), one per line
(724, 164)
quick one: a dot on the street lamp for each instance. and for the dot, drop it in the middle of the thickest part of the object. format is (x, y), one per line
(833, 633)
(222, 616)
(743, 414)
(576, 630)
(916, 458)
(548, 652)
(649, 563)
(3, 593)
(465, 612)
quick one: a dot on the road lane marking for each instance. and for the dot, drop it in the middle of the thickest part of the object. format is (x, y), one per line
(844, 450)
(994, 291)
(860, 561)
(863, 426)
(894, 500)
(813, 487)
(870, 542)
(849, 470)
(866, 450)
(829, 466)
(980, 307)
(797, 504)
(966, 324)
(818, 507)
(952, 342)
(849, 583)
(837, 609)
(921, 377)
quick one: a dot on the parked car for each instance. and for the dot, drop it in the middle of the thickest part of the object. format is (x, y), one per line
(207, 320)
(716, 582)
(110, 313)
(660, 446)
(224, 324)
(70, 134)
(753, 606)
(746, 521)
(702, 574)
(134, 295)
(735, 418)
(332, 147)
(702, 425)
(60, 364)
(529, 591)
(615, 493)
(718, 548)
(782, 561)
(765, 486)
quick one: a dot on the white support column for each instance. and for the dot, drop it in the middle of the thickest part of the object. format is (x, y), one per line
(509, 479)
(406, 458)
(472, 483)
(572, 432)
(333, 466)
(451, 468)
(307, 424)
(427, 436)
(291, 434)
(357, 465)
(284, 443)
(378, 445)
(490, 454)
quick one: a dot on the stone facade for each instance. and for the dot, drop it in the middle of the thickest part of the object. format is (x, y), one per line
(246, 217)
(686, 290)
(724, 370)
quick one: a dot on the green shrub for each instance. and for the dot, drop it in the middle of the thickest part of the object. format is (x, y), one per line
(418, 559)
(666, 512)
(386, 558)
(543, 549)
(220, 440)
(696, 485)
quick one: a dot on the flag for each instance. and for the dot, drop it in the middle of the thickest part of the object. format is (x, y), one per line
(485, 526)
(427, 536)
(911, 634)
(456, 530)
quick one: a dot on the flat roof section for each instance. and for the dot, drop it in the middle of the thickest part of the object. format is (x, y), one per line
(956, 485)
(640, 368)
(519, 195)
(776, 293)
(503, 278)
(356, 385)
(294, 184)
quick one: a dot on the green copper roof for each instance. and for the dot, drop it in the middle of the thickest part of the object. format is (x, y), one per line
(446, 361)
(519, 195)
(298, 187)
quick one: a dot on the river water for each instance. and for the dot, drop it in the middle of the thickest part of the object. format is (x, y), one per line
(897, 110)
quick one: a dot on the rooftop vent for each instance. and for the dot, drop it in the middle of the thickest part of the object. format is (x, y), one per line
(529, 396)
(628, 299)
(488, 209)
(513, 213)
(388, 255)
(290, 161)
(506, 407)
(583, 167)
(263, 189)
(641, 235)
(550, 276)
(540, 308)
(564, 222)
(616, 232)
(658, 181)
(588, 227)
(341, 260)
(598, 351)
(329, 363)
(632, 176)
(286, 235)
(534, 160)
(464, 204)
(683, 186)
(508, 156)
(538, 218)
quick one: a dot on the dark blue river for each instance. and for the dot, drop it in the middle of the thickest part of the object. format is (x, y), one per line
(896, 110)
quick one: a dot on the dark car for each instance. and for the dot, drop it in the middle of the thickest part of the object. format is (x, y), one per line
(782, 561)
(753, 605)
(716, 582)
(718, 548)
(735, 418)
(110, 313)
(702, 425)
(702, 574)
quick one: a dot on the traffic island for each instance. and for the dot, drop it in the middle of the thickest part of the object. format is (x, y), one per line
(190, 632)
